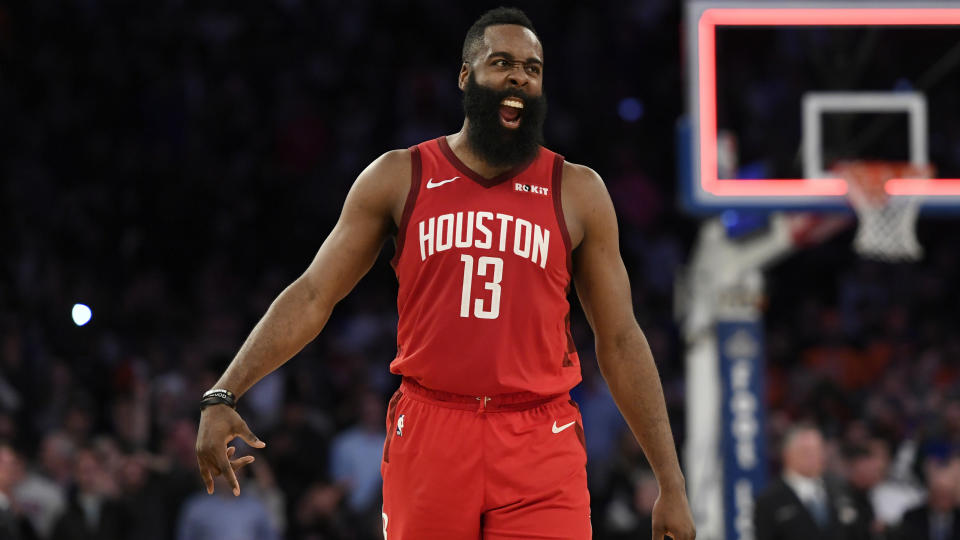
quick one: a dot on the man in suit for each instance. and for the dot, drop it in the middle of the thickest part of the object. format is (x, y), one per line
(939, 518)
(801, 505)
(13, 526)
(92, 512)
(865, 466)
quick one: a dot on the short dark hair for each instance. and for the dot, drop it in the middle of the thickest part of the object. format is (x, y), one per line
(500, 15)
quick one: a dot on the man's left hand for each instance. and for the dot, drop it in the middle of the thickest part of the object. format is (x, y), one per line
(672, 517)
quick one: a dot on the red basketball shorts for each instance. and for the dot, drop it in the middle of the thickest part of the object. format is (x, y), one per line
(461, 468)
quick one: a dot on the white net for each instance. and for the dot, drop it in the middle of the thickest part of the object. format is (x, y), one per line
(887, 225)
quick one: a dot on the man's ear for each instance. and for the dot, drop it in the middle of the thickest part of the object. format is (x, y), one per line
(464, 73)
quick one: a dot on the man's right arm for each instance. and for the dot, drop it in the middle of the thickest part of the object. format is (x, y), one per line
(372, 207)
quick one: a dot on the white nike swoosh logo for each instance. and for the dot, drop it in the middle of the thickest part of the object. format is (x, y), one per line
(563, 427)
(432, 184)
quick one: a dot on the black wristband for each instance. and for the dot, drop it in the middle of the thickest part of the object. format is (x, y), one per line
(218, 396)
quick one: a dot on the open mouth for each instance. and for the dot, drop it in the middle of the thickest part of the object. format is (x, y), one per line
(511, 109)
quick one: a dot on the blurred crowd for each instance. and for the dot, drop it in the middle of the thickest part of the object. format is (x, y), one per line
(866, 353)
(174, 166)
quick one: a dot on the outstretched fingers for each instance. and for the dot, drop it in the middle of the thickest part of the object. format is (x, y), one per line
(218, 426)
(248, 436)
(224, 468)
(206, 475)
(238, 463)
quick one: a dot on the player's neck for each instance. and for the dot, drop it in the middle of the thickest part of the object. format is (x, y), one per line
(461, 147)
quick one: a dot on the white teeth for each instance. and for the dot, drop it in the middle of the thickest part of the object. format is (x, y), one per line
(515, 103)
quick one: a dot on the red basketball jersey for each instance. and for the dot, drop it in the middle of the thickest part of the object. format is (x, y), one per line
(484, 271)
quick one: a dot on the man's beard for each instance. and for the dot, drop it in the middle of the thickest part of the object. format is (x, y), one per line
(492, 141)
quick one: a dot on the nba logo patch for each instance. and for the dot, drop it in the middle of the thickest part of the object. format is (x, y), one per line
(400, 425)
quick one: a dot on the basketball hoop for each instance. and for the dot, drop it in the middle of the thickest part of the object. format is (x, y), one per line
(887, 225)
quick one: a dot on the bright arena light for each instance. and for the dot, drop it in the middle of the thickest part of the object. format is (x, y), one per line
(81, 314)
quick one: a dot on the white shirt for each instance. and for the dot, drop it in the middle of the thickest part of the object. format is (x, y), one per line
(809, 490)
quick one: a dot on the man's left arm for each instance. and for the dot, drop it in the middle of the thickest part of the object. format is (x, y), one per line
(623, 354)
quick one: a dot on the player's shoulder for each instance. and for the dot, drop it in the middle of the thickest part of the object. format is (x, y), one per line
(388, 172)
(586, 203)
(384, 183)
(392, 161)
(581, 180)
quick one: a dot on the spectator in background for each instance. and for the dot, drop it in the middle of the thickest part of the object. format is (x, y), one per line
(801, 504)
(619, 508)
(318, 514)
(630, 517)
(295, 470)
(607, 427)
(56, 457)
(42, 493)
(93, 511)
(224, 516)
(355, 461)
(939, 518)
(143, 504)
(78, 419)
(866, 466)
(266, 489)
(176, 478)
(13, 526)
(902, 489)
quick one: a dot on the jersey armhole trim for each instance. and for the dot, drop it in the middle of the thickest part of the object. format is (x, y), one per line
(558, 209)
(415, 171)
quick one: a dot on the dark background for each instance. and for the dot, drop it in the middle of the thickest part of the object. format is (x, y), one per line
(174, 165)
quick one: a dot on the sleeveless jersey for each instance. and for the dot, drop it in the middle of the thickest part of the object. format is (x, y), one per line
(484, 269)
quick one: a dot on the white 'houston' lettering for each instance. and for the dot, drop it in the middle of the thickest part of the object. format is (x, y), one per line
(458, 239)
(426, 239)
(504, 219)
(522, 232)
(444, 232)
(541, 245)
(483, 229)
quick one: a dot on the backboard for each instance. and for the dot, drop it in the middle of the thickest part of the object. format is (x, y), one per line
(779, 91)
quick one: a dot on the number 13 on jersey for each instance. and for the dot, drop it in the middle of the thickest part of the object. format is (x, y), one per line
(493, 285)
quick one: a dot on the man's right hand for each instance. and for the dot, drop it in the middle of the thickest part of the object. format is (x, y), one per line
(219, 425)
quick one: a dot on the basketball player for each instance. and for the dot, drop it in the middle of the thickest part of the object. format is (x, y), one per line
(483, 440)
